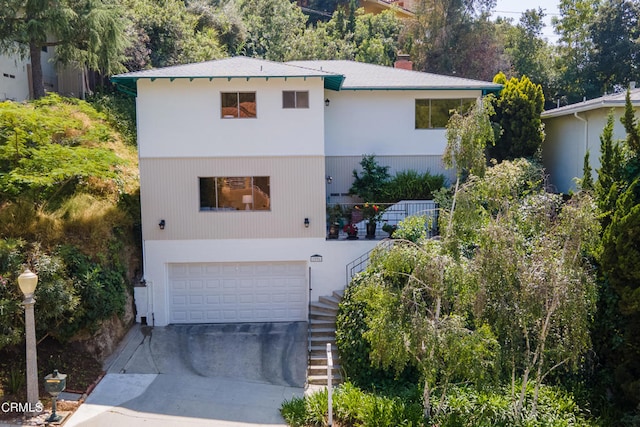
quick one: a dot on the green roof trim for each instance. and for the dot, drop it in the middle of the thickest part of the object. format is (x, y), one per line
(129, 85)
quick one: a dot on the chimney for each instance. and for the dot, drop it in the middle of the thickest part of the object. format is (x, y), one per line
(403, 62)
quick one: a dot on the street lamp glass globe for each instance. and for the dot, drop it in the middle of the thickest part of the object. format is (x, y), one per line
(27, 282)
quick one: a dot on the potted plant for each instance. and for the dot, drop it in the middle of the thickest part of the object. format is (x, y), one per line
(371, 213)
(352, 231)
(388, 228)
(334, 218)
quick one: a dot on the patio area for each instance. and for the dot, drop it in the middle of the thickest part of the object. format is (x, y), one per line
(376, 221)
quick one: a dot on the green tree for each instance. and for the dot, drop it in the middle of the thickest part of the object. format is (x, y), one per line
(450, 37)
(368, 185)
(167, 33)
(586, 183)
(422, 322)
(86, 32)
(272, 26)
(537, 286)
(467, 138)
(575, 50)
(608, 184)
(530, 54)
(615, 32)
(618, 197)
(517, 113)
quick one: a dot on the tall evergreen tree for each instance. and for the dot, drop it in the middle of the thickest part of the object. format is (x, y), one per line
(586, 183)
(87, 32)
(517, 108)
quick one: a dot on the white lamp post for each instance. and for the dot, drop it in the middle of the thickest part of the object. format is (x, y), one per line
(28, 282)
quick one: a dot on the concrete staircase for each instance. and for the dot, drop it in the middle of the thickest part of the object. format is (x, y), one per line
(322, 330)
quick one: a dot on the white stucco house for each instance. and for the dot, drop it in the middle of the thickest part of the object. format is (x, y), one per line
(235, 159)
(573, 129)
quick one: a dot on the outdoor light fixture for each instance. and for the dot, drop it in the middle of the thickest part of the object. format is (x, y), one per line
(316, 258)
(162, 224)
(327, 102)
(247, 199)
(329, 179)
(54, 384)
(27, 282)
(306, 223)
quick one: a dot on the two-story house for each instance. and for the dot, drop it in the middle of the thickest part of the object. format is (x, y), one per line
(235, 156)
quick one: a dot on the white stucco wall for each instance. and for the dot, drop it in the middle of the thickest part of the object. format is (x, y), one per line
(14, 82)
(567, 140)
(326, 276)
(182, 118)
(382, 123)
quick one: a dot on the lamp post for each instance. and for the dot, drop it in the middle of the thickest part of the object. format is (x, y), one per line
(27, 282)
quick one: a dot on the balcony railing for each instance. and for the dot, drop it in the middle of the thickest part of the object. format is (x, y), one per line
(340, 215)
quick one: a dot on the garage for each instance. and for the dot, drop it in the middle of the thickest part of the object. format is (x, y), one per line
(238, 292)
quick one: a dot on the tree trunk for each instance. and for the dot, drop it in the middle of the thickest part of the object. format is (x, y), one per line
(36, 69)
(426, 395)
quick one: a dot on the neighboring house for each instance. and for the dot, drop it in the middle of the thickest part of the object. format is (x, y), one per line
(573, 129)
(403, 8)
(16, 83)
(235, 157)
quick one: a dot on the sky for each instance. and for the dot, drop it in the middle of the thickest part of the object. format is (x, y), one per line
(514, 8)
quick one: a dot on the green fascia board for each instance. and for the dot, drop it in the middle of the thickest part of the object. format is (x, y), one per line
(484, 90)
(129, 84)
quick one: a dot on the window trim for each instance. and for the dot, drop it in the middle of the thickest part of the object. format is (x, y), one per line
(463, 102)
(215, 184)
(238, 110)
(295, 100)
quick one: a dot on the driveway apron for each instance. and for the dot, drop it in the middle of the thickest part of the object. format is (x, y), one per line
(215, 375)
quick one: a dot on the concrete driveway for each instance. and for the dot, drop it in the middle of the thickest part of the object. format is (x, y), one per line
(216, 375)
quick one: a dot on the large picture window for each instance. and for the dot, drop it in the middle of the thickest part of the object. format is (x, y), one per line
(238, 105)
(295, 99)
(435, 113)
(238, 193)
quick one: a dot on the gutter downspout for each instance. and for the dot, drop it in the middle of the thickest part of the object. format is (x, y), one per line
(586, 137)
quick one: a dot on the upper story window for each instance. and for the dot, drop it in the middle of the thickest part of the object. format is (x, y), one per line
(435, 113)
(238, 105)
(295, 99)
(250, 193)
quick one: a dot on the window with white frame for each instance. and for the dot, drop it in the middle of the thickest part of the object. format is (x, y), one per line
(237, 193)
(238, 105)
(435, 113)
(295, 99)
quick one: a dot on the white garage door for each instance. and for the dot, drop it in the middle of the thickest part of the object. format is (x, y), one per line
(237, 292)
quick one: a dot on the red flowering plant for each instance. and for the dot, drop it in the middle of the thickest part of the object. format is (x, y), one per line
(350, 229)
(370, 212)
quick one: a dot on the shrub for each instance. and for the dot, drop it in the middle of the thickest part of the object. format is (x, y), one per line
(369, 184)
(411, 185)
(352, 406)
(294, 411)
(413, 228)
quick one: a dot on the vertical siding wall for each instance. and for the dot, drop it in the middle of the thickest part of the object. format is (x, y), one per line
(340, 168)
(566, 143)
(170, 191)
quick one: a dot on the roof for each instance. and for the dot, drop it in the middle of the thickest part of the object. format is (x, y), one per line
(607, 101)
(362, 76)
(337, 75)
(228, 68)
